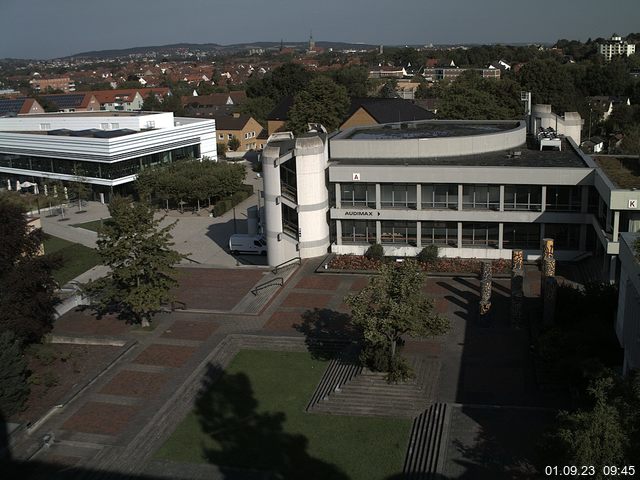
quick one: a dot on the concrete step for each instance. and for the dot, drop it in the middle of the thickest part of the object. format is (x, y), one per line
(425, 454)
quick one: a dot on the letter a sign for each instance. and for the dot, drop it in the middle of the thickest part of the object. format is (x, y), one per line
(356, 177)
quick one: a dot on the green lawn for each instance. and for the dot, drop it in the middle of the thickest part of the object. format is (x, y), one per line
(93, 225)
(253, 417)
(76, 258)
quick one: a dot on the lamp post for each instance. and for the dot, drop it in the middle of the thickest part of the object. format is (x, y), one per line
(235, 227)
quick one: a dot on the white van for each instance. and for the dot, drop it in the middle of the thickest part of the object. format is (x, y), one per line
(244, 243)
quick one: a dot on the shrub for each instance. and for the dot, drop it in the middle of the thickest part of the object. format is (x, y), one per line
(375, 252)
(50, 379)
(238, 197)
(219, 208)
(399, 370)
(13, 374)
(428, 254)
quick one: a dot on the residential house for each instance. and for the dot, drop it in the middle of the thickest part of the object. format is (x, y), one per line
(19, 106)
(214, 104)
(73, 102)
(376, 111)
(384, 71)
(43, 84)
(603, 106)
(243, 127)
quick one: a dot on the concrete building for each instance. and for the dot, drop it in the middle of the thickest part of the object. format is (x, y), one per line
(476, 189)
(106, 148)
(628, 319)
(615, 46)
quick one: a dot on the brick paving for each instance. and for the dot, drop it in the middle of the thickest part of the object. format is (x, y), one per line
(100, 418)
(190, 330)
(307, 300)
(84, 322)
(320, 283)
(165, 355)
(135, 384)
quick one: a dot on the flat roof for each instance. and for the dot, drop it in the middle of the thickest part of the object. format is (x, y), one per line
(529, 156)
(98, 113)
(438, 129)
(623, 171)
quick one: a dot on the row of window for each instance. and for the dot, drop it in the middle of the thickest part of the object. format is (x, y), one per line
(474, 197)
(247, 135)
(445, 234)
(108, 171)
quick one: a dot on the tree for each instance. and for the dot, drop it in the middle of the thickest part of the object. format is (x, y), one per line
(323, 101)
(355, 79)
(151, 103)
(550, 83)
(27, 288)
(393, 305)
(79, 188)
(233, 144)
(13, 383)
(631, 141)
(388, 90)
(259, 108)
(141, 260)
(286, 80)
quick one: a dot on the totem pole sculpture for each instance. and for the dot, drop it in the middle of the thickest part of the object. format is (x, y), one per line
(517, 284)
(485, 289)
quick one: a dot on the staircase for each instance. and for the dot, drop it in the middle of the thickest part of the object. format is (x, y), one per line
(367, 393)
(425, 454)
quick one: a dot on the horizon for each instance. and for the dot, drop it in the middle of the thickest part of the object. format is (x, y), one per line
(161, 23)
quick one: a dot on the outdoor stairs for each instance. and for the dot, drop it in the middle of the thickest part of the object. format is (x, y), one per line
(425, 454)
(253, 302)
(367, 393)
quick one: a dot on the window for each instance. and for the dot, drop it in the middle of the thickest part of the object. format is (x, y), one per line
(221, 136)
(523, 197)
(564, 199)
(115, 126)
(358, 231)
(398, 232)
(358, 195)
(481, 197)
(439, 196)
(45, 126)
(521, 235)
(288, 180)
(398, 195)
(290, 221)
(480, 235)
(229, 136)
(104, 126)
(565, 236)
(439, 233)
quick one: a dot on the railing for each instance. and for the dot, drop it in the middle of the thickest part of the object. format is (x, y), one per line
(291, 261)
(274, 281)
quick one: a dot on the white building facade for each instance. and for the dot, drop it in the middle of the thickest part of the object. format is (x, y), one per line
(615, 46)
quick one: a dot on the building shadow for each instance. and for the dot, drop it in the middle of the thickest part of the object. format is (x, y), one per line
(245, 438)
(327, 332)
(220, 233)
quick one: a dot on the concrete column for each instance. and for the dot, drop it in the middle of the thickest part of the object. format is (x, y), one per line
(378, 200)
(338, 232)
(460, 193)
(582, 245)
(543, 198)
(338, 196)
(584, 201)
(500, 235)
(378, 231)
(608, 221)
(616, 225)
(459, 234)
(612, 268)
(501, 204)
(419, 234)
(418, 199)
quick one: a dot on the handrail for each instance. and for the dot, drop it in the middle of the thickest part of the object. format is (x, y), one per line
(274, 281)
(286, 264)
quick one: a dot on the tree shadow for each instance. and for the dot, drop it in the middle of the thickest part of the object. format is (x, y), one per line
(327, 332)
(247, 439)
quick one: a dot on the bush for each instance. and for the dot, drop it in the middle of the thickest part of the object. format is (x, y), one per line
(13, 375)
(238, 197)
(375, 252)
(399, 370)
(50, 379)
(428, 254)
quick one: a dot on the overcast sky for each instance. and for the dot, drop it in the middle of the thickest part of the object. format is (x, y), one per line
(55, 28)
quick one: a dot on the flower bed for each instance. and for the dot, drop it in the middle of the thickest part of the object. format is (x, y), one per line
(442, 265)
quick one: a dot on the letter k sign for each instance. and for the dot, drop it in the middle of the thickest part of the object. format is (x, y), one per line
(633, 203)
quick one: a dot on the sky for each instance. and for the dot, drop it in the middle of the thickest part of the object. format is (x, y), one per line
(54, 28)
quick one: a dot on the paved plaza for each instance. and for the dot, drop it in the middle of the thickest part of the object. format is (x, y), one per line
(126, 413)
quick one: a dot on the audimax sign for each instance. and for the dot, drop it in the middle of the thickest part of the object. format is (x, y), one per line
(360, 213)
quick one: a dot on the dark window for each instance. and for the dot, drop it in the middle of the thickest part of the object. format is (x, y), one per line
(398, 195)
(398, 232)
(481, 197)
(480, 235)
(358, 195)
(564, 199)
(358, 231)
(289, 221)
(439, 233)
(521, 235)
(523, 197)
(439, 196)
(565, 236)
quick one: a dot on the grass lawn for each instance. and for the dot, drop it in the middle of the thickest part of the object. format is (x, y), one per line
(93, 225)
(76, 258)
(253, 417)
(624, 172)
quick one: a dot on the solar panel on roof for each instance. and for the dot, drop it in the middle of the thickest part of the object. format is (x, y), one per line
(72, 100)
(12, 105)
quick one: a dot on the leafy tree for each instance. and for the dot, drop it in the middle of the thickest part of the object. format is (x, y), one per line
(393, 305)
(631, 141)
(550, 83)
(233, 144)
(355, 79)
(323, 101)
(13, 383)
(286, 80)
(78, 188)
(423, 91)
(259, 108)
(388, 90)
(221, 148)
(141, 261)
(151, 103)
(27, 300)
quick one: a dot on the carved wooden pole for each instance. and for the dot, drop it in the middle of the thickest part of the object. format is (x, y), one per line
(485, 288)
(548, 262)
(517, 286)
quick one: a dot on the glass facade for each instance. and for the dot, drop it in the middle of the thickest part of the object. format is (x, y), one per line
(358, 231)
(398, 195)
(439, 233)
(439, 196)
(521, 235)
(564, 199)
(398, 232)
(565, 236)
(110, 171)
(480, 235)
(523, 197)
(288, 180)
(481, 197)
(289, 221)
(358, 195)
